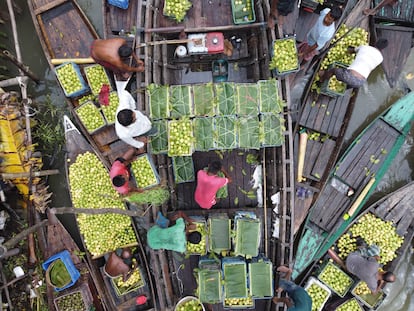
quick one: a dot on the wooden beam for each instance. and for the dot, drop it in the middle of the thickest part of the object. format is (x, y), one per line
(28, 174)
(49, 6)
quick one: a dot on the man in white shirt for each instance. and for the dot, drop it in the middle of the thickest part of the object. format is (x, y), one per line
(366, 60)
(131, 125)
(321, 32)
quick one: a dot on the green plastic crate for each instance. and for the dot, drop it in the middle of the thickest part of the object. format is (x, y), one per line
(243, 11)
(328, 272)
(235, 278)
(210, 289)
(219, 234)
(247, 237)
(261, 279)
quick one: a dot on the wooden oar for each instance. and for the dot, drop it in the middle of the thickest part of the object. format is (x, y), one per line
(85, 60)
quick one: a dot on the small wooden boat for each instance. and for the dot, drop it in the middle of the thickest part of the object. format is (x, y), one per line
(396, 24)
(113, 298)
(320, 130)
(58, 240)
(352, 180)
(66, 35)
(392, 216)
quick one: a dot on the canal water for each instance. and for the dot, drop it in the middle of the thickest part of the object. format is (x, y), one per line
(373, 98)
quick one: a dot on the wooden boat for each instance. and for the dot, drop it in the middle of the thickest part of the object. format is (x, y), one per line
(76, 146)
(58, 240)
(352, 180)
(248, 63)
(396, 24)
(66, 35)
(394, 209)
(320, 130)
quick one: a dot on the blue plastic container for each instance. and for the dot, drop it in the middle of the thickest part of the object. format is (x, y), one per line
(123, 4)
(84, 87)
(65, 257)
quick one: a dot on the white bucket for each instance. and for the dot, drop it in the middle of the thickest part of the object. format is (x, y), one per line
(180, 51)
(188, 298)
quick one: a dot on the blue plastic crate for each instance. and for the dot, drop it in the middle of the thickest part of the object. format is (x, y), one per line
(65, 257)
(84, 87)
(123, 4)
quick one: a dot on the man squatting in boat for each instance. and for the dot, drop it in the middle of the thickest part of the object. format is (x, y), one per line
(367, 58)
(298, 298)
(112, 54)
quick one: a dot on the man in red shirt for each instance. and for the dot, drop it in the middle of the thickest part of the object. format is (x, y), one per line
(208, 183)
(120, 173)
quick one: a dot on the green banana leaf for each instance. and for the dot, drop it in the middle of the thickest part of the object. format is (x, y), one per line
(247, 95)
(219, 234)
(235, 280)
(203, 99)
(226, 97)
(271, 130)
(159, 142)
(269, 97)
(203, 133)
(247, 237)
(261, 279)
(183, 169)
(249, 132)
(158, 101)
(210, 288)
(226, 132)
(180, 101)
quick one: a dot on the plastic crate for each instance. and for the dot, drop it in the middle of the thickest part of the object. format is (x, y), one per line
(82, 293)
(335, 269)
(346, 304)
(314, 281)
(183, 168)
(235, 278)
(248, 235)
(370, 300)
(239, 303)
(243, 11)
(187, 137)
(144, 171)
(210, 289)
(74, 70)
(279, 72)
(187, 299)
(325, 90)
(64, 256)
(122, 4)
(202, 228)
(219, 228)
(311, 4)
(132, 287)
(90, 116)
(99, 81)
(261, 279)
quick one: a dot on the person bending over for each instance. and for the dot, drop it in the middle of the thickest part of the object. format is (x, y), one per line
(113, 53)
(367, 58)
(120, 173)
(363, 263)
(208, 183)
(298, 298)
(131, 125)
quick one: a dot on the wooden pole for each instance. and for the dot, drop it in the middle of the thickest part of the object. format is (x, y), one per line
(97, 211)
(28, 174)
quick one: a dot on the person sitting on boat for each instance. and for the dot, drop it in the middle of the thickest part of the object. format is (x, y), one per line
(173, 237)
(364, 264)
(298, 298)
(112, 54)
(120, 172)
(131, 125)
(321, 32)
(120, 262)
(208, 184)
(366, 60)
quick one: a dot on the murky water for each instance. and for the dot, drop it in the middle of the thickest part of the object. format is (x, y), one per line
(373, 99)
